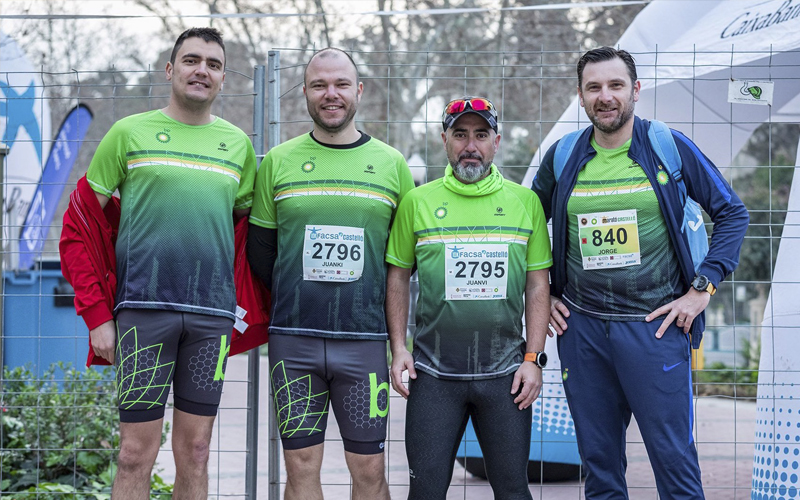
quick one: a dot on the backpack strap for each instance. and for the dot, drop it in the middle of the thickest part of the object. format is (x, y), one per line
(564, 150)
(663, 144)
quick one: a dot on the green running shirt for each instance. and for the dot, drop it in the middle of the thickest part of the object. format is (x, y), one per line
(179, 185)
(610, 190)
(332, 207)
(473, 245)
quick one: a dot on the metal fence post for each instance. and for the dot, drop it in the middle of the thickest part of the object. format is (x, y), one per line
(254, 357)
(274, 138)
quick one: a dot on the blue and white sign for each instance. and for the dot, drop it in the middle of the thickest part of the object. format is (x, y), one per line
(56, 173)
(24, 128)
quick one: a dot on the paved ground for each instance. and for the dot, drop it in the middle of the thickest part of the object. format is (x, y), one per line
(724, 427)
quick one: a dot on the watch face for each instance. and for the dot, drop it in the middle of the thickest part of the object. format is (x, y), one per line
(542, 360)
(700, 283)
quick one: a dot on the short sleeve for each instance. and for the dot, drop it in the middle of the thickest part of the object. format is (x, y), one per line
(263, 213)
(108, 168)
(244, 196)
(402, 242)
(539, 254)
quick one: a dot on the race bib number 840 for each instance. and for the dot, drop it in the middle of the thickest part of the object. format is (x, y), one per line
(333, 253)
(476, 272)
(609, 239)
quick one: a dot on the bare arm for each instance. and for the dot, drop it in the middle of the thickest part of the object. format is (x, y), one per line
(537, 314)
(102, 199)
(397, 295)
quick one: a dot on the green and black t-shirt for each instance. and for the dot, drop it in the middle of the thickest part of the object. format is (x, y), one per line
(332, 207)
(473, 245)
(620, 262)
(179, 185)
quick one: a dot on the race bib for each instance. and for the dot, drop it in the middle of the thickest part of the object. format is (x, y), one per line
(333, 253)
(476, 272)
(609, 239)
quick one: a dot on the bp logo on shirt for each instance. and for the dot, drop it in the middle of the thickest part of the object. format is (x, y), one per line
(308, 166)
(440, 213)
(163, 137)
(662, 178)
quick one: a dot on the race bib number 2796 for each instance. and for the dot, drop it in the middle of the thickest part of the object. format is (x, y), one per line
(333, 253)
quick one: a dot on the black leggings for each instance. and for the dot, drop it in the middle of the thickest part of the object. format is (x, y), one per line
(436, 417)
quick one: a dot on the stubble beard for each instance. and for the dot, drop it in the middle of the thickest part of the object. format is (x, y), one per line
(618, 123)
(331, 128)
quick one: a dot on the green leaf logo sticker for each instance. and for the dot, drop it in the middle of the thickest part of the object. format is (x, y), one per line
(754, 90)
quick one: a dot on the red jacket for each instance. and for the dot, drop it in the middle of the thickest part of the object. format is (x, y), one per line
(89, 264)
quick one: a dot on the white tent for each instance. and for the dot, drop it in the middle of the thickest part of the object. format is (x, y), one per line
(687, 53)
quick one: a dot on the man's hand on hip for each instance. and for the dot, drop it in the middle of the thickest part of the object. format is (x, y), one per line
(682, 310)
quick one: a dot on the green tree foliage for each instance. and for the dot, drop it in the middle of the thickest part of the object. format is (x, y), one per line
(765, 193)
(60, 435)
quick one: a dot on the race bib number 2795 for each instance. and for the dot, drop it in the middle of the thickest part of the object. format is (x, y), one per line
(333, 253)
(476, 272)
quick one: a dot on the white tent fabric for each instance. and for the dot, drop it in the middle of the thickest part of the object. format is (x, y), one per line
(777, 441)
(687, 52)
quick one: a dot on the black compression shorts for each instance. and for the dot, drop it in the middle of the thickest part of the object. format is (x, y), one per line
(156, 349)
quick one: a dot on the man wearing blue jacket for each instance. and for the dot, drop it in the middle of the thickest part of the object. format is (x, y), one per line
(626, 301)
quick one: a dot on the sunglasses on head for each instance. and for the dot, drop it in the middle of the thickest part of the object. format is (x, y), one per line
(475, 103)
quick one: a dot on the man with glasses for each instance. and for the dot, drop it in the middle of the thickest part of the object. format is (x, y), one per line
(482, 252)
(323, 205)
(626, 295)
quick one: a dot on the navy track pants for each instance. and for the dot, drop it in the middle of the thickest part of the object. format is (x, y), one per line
(614, 368)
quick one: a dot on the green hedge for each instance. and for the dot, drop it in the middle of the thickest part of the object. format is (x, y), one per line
(60, 435)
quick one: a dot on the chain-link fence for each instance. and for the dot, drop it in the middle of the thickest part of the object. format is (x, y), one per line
(62, 424)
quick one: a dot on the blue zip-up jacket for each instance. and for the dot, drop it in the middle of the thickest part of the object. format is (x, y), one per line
(704, 184)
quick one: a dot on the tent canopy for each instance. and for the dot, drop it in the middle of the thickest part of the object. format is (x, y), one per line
(686, 54)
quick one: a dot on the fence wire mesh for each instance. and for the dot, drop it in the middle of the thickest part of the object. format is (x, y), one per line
(59, 422)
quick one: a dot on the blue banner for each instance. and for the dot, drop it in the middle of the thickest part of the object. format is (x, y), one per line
(56, 173)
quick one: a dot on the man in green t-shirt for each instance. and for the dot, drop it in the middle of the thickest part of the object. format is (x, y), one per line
(482, 252)
(323, 205)
(183, 176)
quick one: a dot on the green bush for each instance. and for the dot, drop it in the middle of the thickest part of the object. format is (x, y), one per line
(722, 380)
(60, 436)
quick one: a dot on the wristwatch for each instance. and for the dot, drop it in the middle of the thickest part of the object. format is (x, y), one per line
(701, 284)
(539, 358)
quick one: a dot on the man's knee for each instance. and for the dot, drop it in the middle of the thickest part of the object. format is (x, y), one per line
(367, 469)
(136, 456)
(139, 444)
(303, 462)
(193, 451)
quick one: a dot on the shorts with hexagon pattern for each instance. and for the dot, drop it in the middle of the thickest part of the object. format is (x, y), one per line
(156, 349)
(308, 373)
